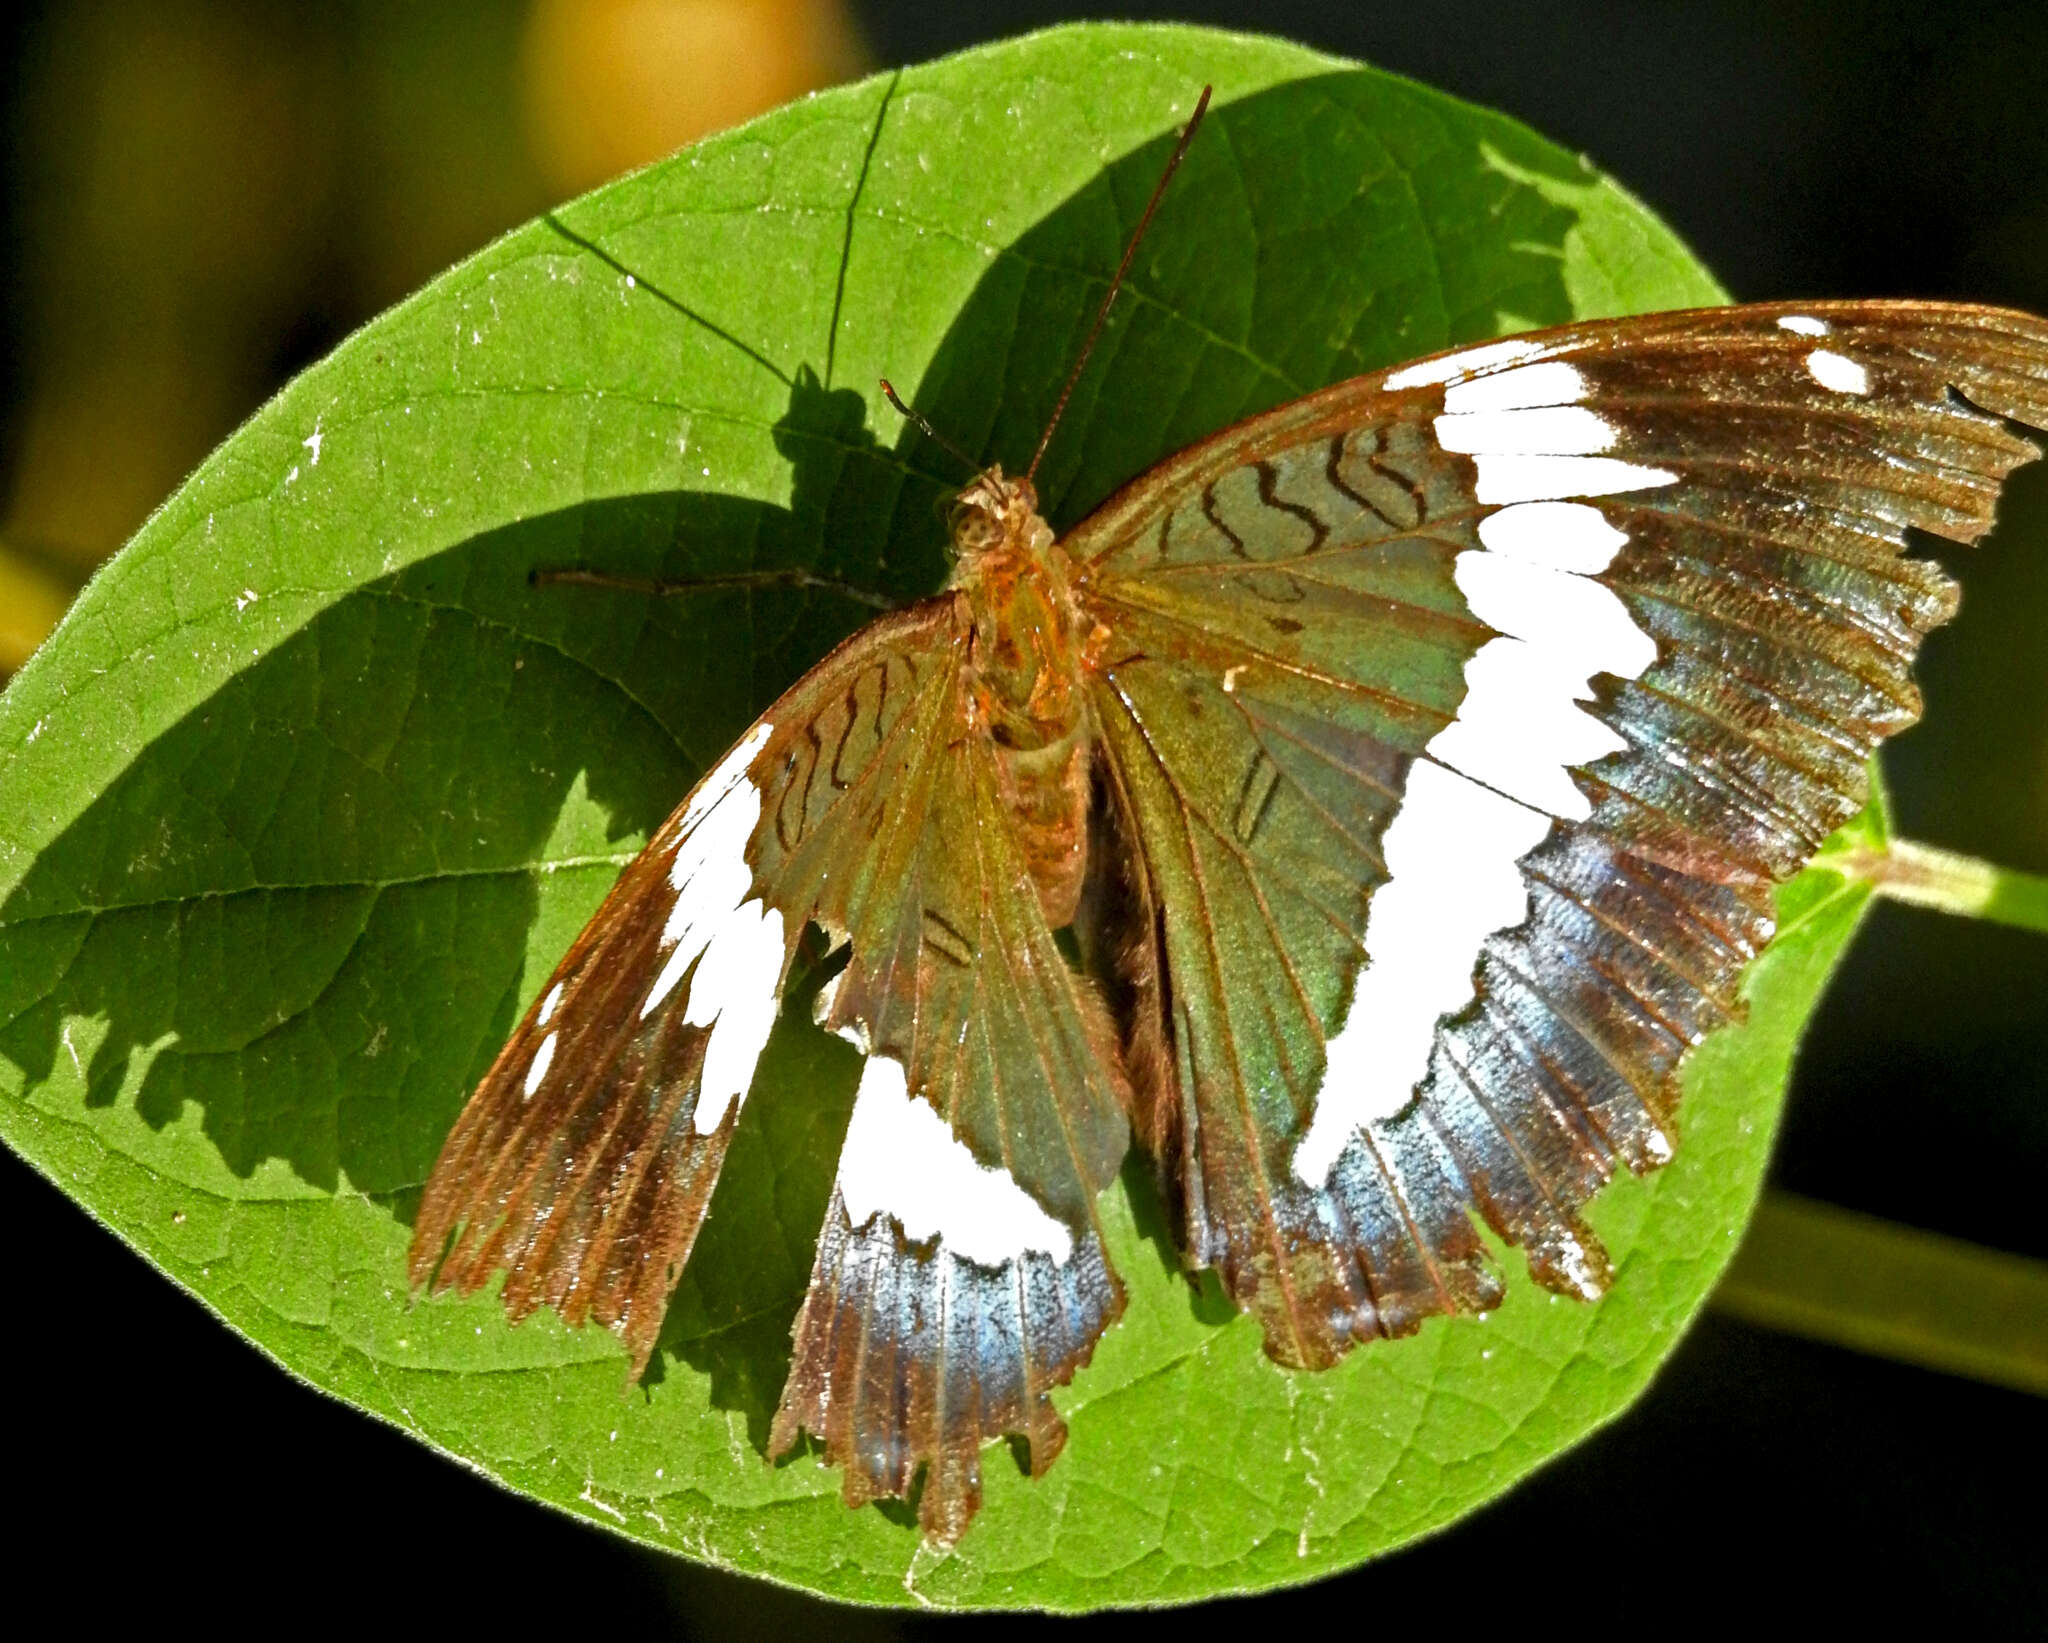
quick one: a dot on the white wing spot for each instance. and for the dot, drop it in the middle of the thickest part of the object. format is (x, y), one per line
(1546, 430)
(543, 1058)
(1519, 728)
(1452, 850)
(724, 778)
(1803, 325)
(711, 879)
(1837, 372)
(549, 1005)
(1465, 362)
(1512, 478)
(1552, 383)
(738, 986)
(1480, 799)
(1571, 536)
(735, 939)
(901, 1159)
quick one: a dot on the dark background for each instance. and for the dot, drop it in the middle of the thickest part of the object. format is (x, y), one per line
(1802, 148)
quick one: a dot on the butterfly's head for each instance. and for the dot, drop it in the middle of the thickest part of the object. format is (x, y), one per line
(995, 514)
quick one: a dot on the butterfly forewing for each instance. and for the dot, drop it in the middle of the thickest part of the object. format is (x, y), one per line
(585, 1159)
(1677, 544)
(960, 1273)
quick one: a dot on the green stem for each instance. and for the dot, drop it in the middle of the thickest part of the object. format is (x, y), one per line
(1927, 877)
(1869, 1285)
(1872, 1286)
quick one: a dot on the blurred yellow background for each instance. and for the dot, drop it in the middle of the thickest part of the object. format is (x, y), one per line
(210, 195)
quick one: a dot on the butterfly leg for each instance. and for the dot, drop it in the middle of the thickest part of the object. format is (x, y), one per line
(662, 586)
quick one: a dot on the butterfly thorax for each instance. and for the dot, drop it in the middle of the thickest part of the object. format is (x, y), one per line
(1023, 684)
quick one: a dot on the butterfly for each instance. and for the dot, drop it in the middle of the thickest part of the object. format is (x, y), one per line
(1363, 811)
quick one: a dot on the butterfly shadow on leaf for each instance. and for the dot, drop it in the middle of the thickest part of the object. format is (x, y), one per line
(296, 927)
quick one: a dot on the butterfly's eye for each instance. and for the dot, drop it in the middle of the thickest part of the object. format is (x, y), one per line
(974, 520)
(995, 513)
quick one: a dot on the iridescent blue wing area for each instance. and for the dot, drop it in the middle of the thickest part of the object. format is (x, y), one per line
(1456, 724)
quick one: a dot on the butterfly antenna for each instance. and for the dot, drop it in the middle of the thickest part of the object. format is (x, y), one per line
(889, 393)
(1102, 314)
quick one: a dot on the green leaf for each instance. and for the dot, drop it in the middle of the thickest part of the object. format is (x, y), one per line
(311, 787)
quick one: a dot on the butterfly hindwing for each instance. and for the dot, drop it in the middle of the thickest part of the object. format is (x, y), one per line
(1677, 546)
(1287, 639)
(960, 1273)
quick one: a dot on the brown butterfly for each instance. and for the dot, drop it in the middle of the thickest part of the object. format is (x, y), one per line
(1412, 763)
